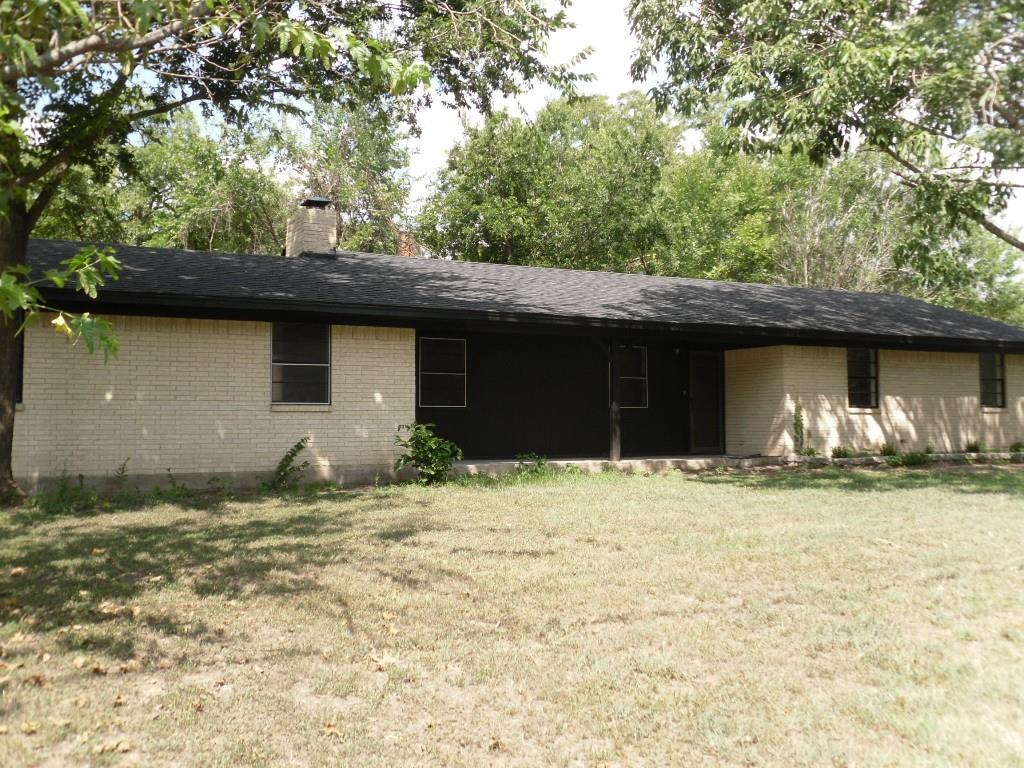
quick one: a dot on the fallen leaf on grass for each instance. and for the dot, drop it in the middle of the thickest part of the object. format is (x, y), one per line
(80, 662)
(118, 701)
(19, 571)
(98, 670)
(37, 680)
(29, 728)
(113, 746)
(3, 730)
(82, 702)
(332, 730)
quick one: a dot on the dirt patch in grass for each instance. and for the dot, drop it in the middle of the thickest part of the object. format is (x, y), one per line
(788, 618)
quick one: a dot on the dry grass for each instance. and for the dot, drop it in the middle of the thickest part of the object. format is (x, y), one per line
(844, 618)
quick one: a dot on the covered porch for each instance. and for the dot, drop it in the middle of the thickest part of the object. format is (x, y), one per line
(577, 398)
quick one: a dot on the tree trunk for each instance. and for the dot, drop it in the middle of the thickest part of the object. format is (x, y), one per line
(14, 232)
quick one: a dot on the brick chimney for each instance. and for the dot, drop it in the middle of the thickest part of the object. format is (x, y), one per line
(407, 245)
(313, 228)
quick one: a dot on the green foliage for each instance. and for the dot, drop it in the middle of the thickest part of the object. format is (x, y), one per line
(85, 272)
(799, 430)
(888, 449)
(975, 447)
(574, 188)
(842, 452)
(603, 186)
(66, 498)
(1017, 447)
(432, 456)
(289, 470)
(533, 465)
(910, 459)
(937, 87)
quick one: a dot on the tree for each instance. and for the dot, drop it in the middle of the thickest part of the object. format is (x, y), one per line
(574, 188)
(185, 189)
(76, 80)
(355, 158)
(937, 87)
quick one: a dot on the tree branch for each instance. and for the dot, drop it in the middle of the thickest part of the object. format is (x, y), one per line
(97, 41)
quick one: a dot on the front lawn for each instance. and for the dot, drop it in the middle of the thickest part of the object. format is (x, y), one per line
(789, 618)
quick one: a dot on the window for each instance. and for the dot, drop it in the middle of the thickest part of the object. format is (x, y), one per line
(442, 373)
(862, 377)
(301, 363)
(993, 380)
(633, 377)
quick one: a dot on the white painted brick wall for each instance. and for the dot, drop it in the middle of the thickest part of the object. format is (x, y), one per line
(926, 399)
(193, 396)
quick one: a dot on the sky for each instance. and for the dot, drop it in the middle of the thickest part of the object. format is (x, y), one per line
(601, 25)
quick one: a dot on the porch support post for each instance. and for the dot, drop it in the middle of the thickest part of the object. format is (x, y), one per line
(615, 411)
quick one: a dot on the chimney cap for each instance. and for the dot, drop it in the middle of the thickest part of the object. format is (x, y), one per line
(315, 202)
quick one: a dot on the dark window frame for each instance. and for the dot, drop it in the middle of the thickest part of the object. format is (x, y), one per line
(645, 379)
(328, 365)
(420, 372)
(998, 380)
(871, 380)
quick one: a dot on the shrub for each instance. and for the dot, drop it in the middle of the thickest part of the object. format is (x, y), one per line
(66, 498)
(1017, 447)
(929, 450)
(842, 452)
(799, 436)
(911, 459)
(289, 471)
(532, 464)
(974, 447)
(431, 455)
(889, 450)
(808, 451)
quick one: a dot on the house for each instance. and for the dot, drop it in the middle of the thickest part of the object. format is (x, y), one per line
(227, 359)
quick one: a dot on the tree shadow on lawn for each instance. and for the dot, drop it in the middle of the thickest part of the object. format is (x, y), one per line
(973, 480)
(84, 576)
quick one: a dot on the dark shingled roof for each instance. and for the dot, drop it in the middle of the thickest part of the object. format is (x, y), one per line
(166, 281)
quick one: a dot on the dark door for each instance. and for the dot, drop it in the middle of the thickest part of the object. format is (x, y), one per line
(706, 402)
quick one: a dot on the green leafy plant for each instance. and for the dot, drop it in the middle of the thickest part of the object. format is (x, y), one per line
(974, 447)
(289, 470)
(888, 449)
(799, 433)
(929, 450)
(66, 498)
(910, 459)
(431, 455)
(533, 465)
(842, 452)
(808, 451)
(1017, 447)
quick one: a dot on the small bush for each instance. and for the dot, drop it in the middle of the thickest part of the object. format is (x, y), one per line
(1017, 447)
(974, 447)
(929, 450)
(808, 450)
(431, 455)
(289, 471)
(889, 450)
(915, 459)
(67, 498)
(842, 452)
(799, 433)
(532, 464)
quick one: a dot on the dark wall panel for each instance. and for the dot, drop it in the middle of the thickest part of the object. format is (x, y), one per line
(661, 428)
(549, 395)
(528, 394)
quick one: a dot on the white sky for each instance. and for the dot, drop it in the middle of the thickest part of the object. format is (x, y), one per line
(601, 25)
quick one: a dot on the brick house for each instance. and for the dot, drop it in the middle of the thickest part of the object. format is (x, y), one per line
(227, 359)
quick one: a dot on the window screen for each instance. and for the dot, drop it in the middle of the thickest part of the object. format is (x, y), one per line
(633, 377)
(301, 363)
(442, 373)
(993, 380)
(862, 377)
